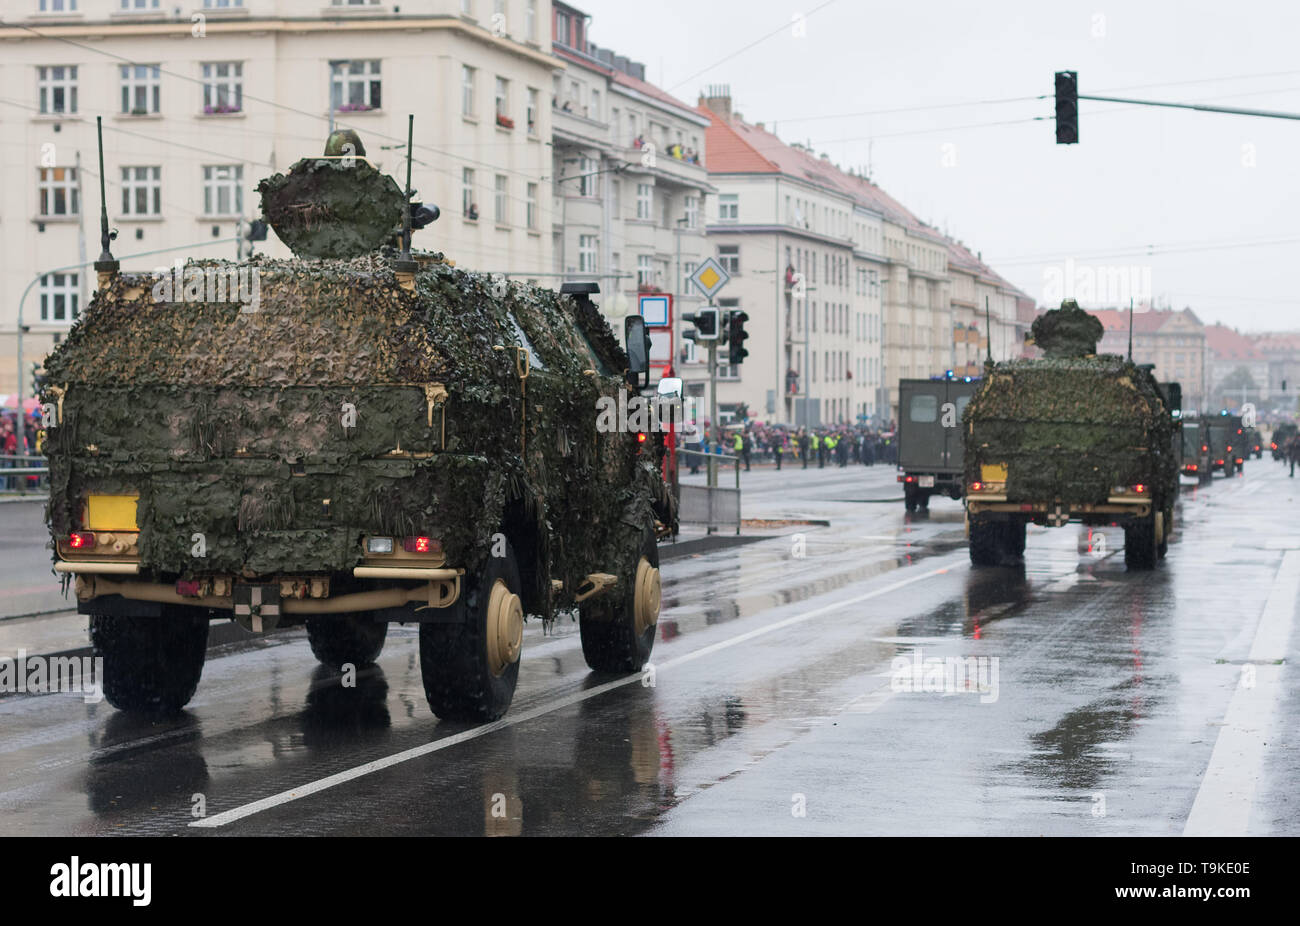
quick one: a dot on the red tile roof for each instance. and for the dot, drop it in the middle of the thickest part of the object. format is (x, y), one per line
(1227, 344)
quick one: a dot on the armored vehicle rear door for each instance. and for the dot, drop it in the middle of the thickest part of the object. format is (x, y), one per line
(921, 440)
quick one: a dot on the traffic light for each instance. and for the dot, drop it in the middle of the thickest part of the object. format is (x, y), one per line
(38, 379)
(736, 336)
(705, 322)
(1067, 108)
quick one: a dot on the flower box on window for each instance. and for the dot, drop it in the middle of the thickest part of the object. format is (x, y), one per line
(505, 122)
(355, 108)
(221, 109)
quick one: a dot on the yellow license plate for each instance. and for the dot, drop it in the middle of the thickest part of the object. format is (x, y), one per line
(111, 513)
(993, 472)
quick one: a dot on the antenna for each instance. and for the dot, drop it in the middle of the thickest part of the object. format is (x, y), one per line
(988, 335)
(106, 263)
(1130, 329)
(404, 264)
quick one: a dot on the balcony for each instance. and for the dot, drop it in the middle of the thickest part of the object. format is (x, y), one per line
(675, 171)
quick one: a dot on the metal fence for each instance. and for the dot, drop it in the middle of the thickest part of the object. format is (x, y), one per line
(15, 470)
(713, 506)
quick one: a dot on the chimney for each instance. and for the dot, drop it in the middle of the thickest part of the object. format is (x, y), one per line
(760, 126)
(717, 99)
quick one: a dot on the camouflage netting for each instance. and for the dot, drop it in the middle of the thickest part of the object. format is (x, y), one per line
(1067, 332)
(1070, 429)
(332, 208)
(229, 422)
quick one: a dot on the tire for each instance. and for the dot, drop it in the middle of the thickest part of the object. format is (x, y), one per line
(909, 498)
(1140, 543)
(461, 681)
(988, 540)
(151, 665)
(1167, 526)
(1015, 534)
(923, 500)
(339, 639)
(611, 641)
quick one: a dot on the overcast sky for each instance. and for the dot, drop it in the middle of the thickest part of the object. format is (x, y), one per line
(1214, 195)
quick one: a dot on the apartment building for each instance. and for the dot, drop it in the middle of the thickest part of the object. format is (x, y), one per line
(202, 99)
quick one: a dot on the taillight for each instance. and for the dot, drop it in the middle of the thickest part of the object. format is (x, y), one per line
(1139, 488)
(976, 486)
(81, 540)
(909, 479)
(640, 437)
(421, 545)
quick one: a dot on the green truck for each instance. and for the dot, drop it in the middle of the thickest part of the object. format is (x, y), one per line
(929, 437)
(1073, 436)
(384, 438)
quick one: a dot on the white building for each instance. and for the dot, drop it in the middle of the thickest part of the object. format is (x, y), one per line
(199, 105)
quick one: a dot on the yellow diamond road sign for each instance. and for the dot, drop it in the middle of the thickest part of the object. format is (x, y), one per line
(710, 277)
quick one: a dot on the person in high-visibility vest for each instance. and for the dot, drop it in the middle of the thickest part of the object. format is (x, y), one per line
(819, 447)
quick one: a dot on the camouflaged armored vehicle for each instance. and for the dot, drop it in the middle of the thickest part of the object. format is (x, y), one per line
(1074, 436)
(376, 437)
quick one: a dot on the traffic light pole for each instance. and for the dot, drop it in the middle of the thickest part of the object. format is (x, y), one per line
(713, 413)
(1232, 110)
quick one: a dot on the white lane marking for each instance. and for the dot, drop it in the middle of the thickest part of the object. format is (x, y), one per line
(313, 787)
(1223, 803)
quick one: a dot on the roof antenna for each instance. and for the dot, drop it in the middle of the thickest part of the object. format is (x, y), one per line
(1130, 329)
(988, 335)
(106, 263)
(404, 266)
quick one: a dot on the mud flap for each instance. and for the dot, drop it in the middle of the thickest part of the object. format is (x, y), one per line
(257, 607)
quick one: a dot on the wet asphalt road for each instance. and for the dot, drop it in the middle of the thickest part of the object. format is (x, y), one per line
(1117, 704)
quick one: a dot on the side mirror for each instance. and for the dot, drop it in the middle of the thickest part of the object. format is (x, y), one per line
(670, 387)
(637, 339)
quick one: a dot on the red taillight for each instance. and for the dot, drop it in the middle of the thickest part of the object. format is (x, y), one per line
(1139, 488)
(421, 545)
(640, 437)
(1273, 445)
(976, 486)
(187, 588)
(910, 479)
(81, 540)
(1191, 467)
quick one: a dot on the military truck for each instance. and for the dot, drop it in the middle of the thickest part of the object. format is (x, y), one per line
(1254, 443)
(929, 437)
(1227, 443)
(1281, 434)
(1070, 437)
(1195, 452)
(384, 438)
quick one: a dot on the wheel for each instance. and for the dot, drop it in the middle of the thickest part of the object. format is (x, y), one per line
(1140, 543)
(1164, 527)
(1015, 536)
(151, 664)
(618, 628)
(923, 500)
(471, 667)
(909, 498)
(339, 639)
(987, 542)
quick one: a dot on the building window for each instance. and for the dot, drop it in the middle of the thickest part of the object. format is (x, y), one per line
(562, 29)
(531, 208)
(644, 200)
(58, 6)
(586, 253)
(588, 177)
(645, 270)
(58, 191)
(57, 89)
(501, 204)
(223, 189)
(729, 257)
(223, 87)
(141, 191)
(140, 88)
(688, 268)
(530, 20)
(468, 205)
(139, 4)
(728, 207)
(502, 99)
(228, 4)
(59, 297)
(692, 211)
(534, 104)
(595, 105)
(355, 85)
(467, 91)
(467, 7)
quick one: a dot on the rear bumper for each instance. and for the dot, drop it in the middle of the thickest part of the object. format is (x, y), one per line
(1056, 513)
